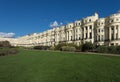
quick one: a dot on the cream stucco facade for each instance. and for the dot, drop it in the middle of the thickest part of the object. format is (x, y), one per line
(100, 31)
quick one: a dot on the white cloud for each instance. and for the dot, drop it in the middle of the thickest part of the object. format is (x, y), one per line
(55, 24)
(61, 23)
(7, 35)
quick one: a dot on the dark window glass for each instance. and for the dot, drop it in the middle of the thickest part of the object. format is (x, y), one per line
(89, 20)
(86, 35)
(90, 26)
(99, 30)
(90, 35)
(86, 27)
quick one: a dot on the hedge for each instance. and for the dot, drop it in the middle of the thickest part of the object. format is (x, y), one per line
(8, 51)
(42, 47)
(68, 48)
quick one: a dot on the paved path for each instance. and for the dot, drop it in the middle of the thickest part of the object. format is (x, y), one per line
(89, 53)
(104, 54)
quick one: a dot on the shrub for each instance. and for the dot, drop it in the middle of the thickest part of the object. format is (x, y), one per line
(118, 49)
(2, 54)
(68, 48)
(42, 47)
(59, 46)
(102, 49)
(8, 51)
(78, 48)
(52, 48)
(109, 49)
(13, 51)
(38, 47)
(112, 49)
(88, 46)
(5, 44)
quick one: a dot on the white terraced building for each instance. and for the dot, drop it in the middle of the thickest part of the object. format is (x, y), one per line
(100, 31)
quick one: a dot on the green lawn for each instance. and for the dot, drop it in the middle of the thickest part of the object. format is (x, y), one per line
(46, 66)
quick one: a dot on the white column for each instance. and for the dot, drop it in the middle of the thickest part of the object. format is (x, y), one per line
(109, 33)
(74, 34)
(62, 35)
(88, 32)
(70, 35)
(118, 32)
(67, 35)
(84, 33)
(114, 32)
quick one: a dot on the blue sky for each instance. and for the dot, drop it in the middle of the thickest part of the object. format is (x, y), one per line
(29, 16)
